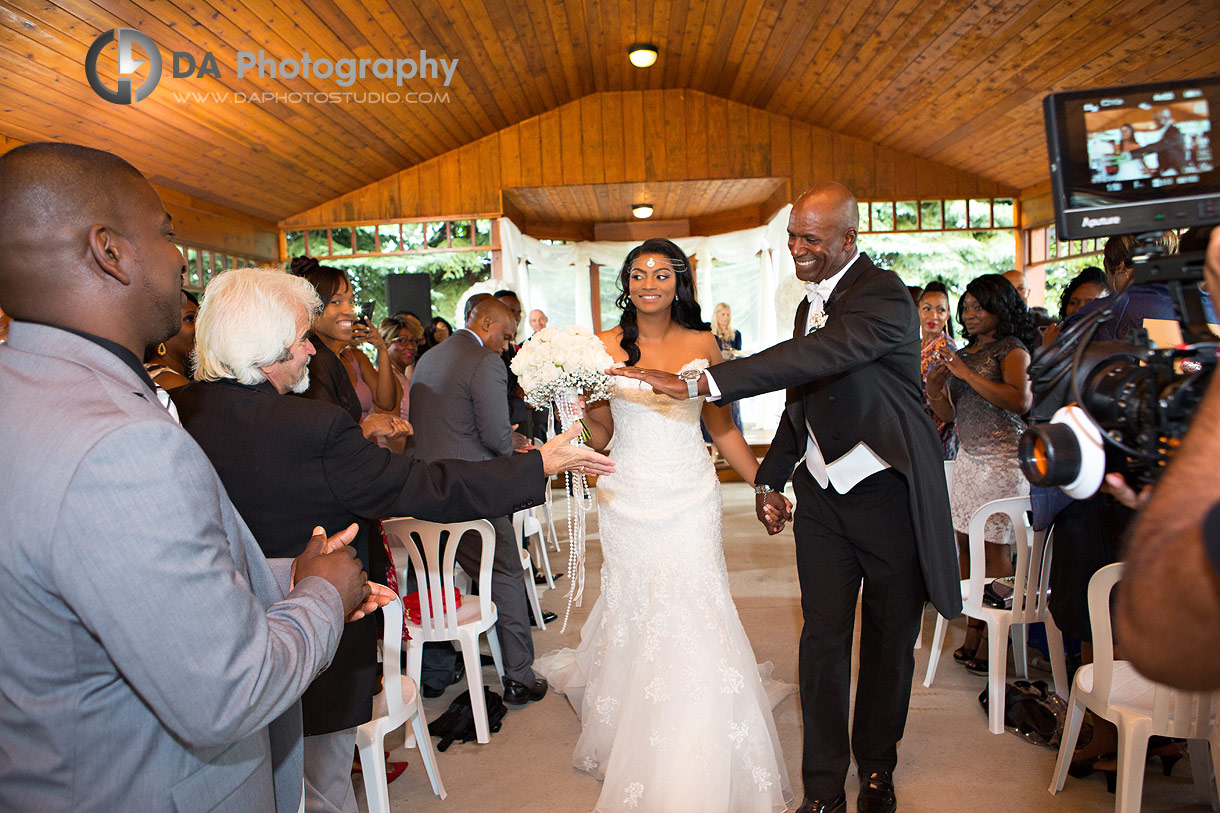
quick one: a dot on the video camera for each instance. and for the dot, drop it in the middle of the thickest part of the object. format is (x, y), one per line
(1124, 405)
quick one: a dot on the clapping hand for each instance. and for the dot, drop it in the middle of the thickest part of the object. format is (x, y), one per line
(334, 559)
(385, 425)
(952, 361)
(520, 442)
(773, 510)
(379, 595)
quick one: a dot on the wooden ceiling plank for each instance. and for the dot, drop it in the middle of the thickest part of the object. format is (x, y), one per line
(634, 136)
(655, 166)
(816, 34)
(571, 143)
(531, 152)
(71, 57)
(697, 136)
(593, 145)
(676, 133)
(613, 150)
(781, 145)
(509, 151)
(552, 148)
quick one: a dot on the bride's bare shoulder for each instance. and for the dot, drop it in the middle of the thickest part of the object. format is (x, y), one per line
(611, 338)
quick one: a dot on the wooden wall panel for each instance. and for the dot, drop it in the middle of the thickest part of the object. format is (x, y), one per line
(654, 137)
(207, 224)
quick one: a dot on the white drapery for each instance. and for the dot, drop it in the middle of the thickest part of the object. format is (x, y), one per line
(555, 279)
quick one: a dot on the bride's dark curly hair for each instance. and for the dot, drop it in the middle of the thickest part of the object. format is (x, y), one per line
(997, 296)
(684, 310)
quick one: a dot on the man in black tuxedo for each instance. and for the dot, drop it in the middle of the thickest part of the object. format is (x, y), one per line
(872, 505)
(289, 463)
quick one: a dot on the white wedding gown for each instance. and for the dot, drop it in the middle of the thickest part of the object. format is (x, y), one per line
(673, 708)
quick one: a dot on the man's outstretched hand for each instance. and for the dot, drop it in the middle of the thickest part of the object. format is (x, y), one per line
(558, 454)
(773, 510)
(662, 382)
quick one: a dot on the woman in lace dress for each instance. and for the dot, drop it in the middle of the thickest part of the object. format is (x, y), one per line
(986, 389)
(674, 712)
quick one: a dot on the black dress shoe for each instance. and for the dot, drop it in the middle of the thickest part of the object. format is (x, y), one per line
(835, 804)
(518, 694)
(548, 616)
(540, 578)
(877, 794)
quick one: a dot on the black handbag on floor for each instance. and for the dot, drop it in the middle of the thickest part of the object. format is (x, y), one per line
(1032, 711)
(457, 723)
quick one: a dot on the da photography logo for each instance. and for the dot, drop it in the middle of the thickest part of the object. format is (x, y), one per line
(128, 39)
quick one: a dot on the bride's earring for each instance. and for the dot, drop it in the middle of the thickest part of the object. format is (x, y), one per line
(161, 349)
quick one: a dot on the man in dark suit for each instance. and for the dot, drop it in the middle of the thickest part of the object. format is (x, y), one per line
(872, 506)
(288, 461)
(459, 410)
(1169, 149)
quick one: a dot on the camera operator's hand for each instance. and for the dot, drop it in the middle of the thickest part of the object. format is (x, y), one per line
(953, 362)
(1117, 487)
(937, 376)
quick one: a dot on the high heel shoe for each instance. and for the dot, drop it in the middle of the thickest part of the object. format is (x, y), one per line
(1169, 751)
(1081, 768)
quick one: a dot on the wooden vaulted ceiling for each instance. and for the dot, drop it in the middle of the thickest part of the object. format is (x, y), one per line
(956, 82)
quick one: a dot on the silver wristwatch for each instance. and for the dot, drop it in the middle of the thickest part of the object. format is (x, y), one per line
(691, 377)
(763, 489)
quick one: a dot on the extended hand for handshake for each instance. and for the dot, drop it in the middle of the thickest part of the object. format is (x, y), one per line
(558, 454)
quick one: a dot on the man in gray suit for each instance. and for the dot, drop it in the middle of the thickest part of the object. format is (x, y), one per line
(458, 410)
(153, 659)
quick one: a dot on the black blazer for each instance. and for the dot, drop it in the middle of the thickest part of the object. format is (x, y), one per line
(857, 379)
(291, 463)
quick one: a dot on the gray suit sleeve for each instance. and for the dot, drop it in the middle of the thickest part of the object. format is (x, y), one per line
(488, 384)
(143, 557)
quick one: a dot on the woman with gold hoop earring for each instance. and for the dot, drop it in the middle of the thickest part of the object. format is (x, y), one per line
(169, 363)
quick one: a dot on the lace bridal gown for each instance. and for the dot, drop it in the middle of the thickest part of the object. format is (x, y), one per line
(673, 708)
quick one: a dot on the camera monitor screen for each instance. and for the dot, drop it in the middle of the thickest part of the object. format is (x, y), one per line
(1133, 159)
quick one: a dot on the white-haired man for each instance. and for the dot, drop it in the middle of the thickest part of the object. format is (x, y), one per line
(279, 456)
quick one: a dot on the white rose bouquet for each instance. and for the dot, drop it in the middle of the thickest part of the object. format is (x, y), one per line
(556, 362)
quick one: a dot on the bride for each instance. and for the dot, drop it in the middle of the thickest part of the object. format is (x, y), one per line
(673, 708)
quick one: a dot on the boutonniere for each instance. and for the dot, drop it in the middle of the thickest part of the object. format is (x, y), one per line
(816, 321)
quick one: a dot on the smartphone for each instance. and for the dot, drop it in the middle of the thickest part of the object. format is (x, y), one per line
(366, 312)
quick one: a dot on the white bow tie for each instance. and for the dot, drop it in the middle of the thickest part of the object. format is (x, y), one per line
(821, 290)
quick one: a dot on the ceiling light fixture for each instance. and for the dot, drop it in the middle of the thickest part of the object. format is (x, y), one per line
(642, 55)
(642, 211)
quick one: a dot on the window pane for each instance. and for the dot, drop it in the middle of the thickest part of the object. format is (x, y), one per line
(980, 214)
(1003, 211)
(391, 240)
(318, 245)
(459, 231)
(295, 242)
(341, 240)
(553, 291)
(366, 239)
(883, 216)
(906, 215)
(607, 285)
(864, 208)
(412, 235)
(436, 235)
(449, 276)
(930, 215)
(955, 214)
(483, 235)
(192, 268)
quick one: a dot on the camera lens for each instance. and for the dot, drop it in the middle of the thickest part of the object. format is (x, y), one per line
(1049, 455)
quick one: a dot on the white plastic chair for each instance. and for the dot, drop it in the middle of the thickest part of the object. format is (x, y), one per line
(1029, 606)
(397, 703)
(1138, 707)
(550, 515)
(526, 527)
(432, 547)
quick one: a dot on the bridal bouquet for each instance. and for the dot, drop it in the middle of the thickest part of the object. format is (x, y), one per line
(557, 362)
(559, 365)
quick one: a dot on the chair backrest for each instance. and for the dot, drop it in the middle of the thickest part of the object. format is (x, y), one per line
(432, 548)
(391, 654)
(1032, 573)
(1175, 713)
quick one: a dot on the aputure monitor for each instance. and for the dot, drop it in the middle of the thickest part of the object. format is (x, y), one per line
(1135, 158)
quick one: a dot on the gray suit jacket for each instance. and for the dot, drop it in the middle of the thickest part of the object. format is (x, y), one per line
(457, 404)
(150, 659)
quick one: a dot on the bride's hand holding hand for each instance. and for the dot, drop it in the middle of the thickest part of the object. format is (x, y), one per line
(773, 510)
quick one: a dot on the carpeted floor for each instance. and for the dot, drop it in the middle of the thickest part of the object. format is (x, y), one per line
(947, 762)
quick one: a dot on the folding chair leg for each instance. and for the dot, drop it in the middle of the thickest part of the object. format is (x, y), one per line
(938, 643)
(1132, 752)
(997, 668)
(474, 681)
(919, 637)
(420, 727)
(372, 766)
(1020, 649)
(493, 643)
(1067, 745)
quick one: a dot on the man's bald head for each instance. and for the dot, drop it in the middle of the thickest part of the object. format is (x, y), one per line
(822, 230)
(85, 244)
(493, 322)
(473, 300)
(1017, 278)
